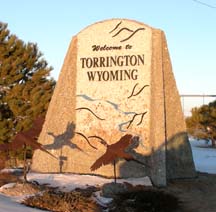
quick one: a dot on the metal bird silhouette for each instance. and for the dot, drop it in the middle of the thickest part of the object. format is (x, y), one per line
(115, 151)
(27, 138)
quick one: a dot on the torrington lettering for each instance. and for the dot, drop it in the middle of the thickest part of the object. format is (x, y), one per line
(117, 75)
(113, 61)
(116, 91)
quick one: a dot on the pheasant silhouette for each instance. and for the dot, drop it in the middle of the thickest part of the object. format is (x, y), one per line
(27, 138)
(115, 151)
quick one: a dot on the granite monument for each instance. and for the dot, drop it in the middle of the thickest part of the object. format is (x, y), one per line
(117, 80)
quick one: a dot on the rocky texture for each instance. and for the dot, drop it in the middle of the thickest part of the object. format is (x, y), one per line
(133, 91)
(179, 161)
(109, 190)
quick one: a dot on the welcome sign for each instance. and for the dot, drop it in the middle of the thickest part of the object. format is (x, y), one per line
(115, 54)
(116, 82)
(119, 74)
(113, 75)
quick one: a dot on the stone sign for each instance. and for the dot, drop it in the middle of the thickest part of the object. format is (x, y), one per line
(116, 82)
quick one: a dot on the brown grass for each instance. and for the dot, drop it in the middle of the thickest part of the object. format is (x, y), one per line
(59, 201)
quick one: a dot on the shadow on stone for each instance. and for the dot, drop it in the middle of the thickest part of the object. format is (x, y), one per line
(179, 163)
(61, 140)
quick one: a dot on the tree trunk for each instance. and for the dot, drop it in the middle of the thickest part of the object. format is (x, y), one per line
(114, 166)
(25, 164)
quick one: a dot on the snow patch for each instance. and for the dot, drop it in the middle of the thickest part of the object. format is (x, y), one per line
(7, 186)
(102, 201)
(68, 182)
(15, 170)
(204, 157)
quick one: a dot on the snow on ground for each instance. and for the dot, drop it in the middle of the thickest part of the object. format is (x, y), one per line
(204, 159)
(68, 182)
(8, 204)
(11, 171)
(6, 186)
(204, 156)
(65, 182)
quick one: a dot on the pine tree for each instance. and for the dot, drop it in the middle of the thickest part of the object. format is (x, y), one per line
(25, 85)
(202, 123)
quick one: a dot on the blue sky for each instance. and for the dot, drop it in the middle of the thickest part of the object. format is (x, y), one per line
(189, 26)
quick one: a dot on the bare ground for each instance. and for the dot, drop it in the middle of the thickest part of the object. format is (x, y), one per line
(196, 195)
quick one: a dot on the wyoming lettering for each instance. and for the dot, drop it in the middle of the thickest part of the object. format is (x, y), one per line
(112, 61)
